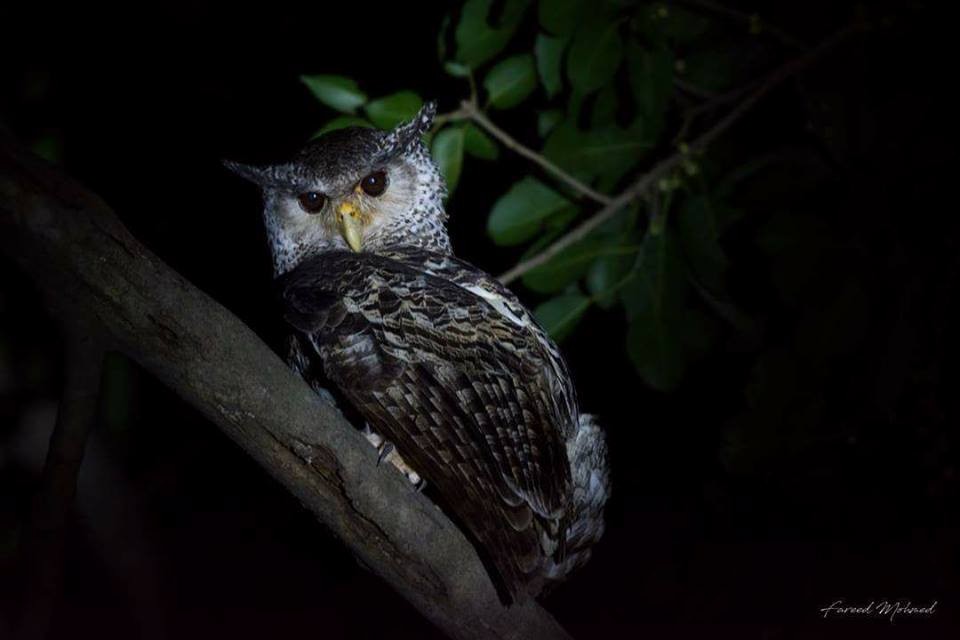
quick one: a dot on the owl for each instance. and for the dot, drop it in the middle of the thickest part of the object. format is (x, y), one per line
(458, 384)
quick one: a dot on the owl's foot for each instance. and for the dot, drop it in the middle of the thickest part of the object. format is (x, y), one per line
(387, 451)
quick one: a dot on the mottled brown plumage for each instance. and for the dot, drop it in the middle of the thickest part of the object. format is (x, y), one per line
(471, 398)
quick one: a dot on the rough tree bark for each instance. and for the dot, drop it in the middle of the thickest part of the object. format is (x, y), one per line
(80, 254)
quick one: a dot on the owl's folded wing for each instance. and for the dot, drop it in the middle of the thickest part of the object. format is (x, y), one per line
(470, 394)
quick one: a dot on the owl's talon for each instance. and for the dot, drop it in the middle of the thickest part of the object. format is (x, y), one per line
(385, 451)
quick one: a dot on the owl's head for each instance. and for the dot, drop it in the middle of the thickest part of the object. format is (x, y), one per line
(356, 188)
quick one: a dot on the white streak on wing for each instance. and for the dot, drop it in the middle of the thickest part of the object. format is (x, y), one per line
(497, 302)
(359, 346)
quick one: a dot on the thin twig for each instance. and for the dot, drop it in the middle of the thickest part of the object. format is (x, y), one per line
(661, 169)
(51, 508)
(470, 111)
(441, 119)
(717, 101)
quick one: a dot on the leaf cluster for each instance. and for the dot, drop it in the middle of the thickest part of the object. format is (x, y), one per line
(599, 83)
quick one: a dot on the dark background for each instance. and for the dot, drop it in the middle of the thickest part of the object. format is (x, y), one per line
(177, 534)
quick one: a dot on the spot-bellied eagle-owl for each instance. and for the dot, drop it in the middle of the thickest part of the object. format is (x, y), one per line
(446, 366)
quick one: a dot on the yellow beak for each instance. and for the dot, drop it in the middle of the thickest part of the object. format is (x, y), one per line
(351, 227)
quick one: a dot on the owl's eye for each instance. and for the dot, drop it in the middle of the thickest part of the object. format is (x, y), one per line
(374, 184)
(311, 201)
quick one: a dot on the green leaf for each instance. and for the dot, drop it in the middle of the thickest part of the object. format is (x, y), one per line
(699, 234)
(700, 238)
(594, 55)
(654, 300)
(621, 223)
(478, 41)
(522, 211)
(611, 240)
(575, 104)
(659, 284)
(478, 144)
(611, 271)
(566, 267)
(553, 228)
(336, 92)
(603, 113)
(651, 78)
(560, 315)
(390, 111)
(456, 69)
(448, 154)
(655, 352)
(341, 122)
(549, 53)
(511, 81)
(560, 16)
(565, 147)
(547, 120)
(605, 273)
(608, 152)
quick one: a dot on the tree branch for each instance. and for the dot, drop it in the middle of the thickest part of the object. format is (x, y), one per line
(664, 167)
(478, 116)
(708, 106)
(74, 247)
(83, 360)
(470, 111)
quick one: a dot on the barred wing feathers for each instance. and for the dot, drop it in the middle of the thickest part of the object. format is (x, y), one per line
(446, 364)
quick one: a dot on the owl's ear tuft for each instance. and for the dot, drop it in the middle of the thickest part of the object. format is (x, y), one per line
(257, 175)
(424, 118)
(410, 132)
(264, 176)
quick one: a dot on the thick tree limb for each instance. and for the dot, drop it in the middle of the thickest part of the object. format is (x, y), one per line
(74, 247)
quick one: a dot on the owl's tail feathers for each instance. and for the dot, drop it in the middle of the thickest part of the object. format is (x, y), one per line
(590, 471)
